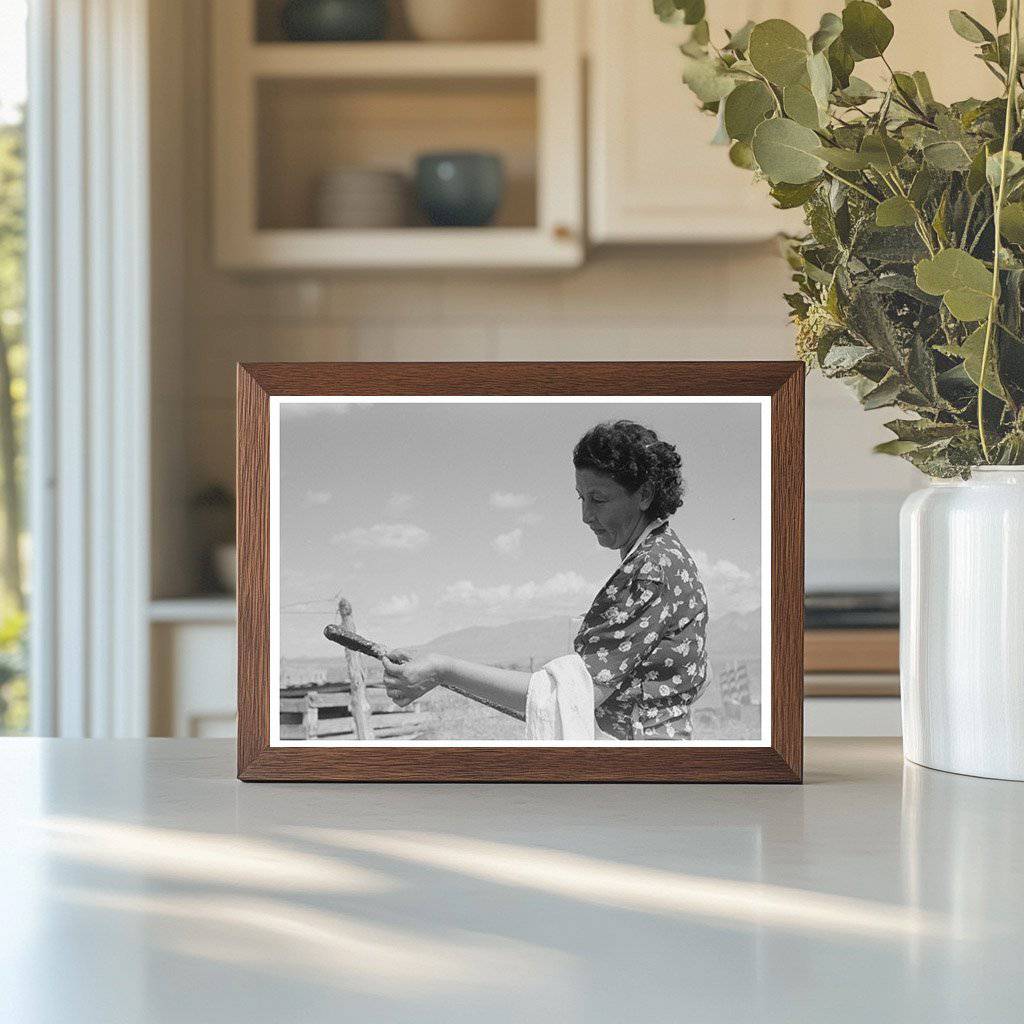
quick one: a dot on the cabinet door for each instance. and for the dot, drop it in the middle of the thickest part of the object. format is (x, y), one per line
(653, 174)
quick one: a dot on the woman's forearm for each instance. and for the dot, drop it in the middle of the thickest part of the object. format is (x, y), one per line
(500, 688)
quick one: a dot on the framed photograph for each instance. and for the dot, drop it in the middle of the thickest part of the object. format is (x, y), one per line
(565, 572)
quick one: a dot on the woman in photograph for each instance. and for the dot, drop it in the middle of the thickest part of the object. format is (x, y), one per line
(640, 658)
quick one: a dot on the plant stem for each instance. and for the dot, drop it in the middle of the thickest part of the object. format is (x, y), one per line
(853, 185)
(1011, 107)
(1012, 334)
(907, 99)
(981, 231)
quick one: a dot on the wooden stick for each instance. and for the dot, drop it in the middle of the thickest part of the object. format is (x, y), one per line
(360, 705)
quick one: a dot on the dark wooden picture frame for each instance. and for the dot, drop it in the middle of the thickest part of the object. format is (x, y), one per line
(780, 761)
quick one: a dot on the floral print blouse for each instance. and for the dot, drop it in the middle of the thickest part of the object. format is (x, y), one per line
(644, 636)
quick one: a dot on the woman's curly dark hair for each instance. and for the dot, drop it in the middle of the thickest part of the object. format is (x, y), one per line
(632, 454)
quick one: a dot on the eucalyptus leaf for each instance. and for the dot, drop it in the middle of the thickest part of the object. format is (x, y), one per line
(922, 185)
(895, 447)
(857, 91)
(906, 84)
(844, 159)
(868, 320)
(829, 30)
(976, 174)
(921, 370)
(1012, 223)
(939, 220)
(693, 10)
(963, 281)
(883, 152)
(841, 62)
(885, 394)
(969, 28)
(739, 41)
(779, 51)
(923, 431)
(866, 29)
(788, 196)
(707, 78)
(819, 75)
(971, 351)
(745, 108)
(947, 156)
(884, 176)
(741, 155)
(801, 106)
(889, 246)
(786, 151)
(843, 358)
(689, 12)
(993, 167)
(721, 136)
(924, 88)
(697, 44)
(895, 212)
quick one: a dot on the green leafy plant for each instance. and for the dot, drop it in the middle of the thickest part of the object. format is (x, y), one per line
(910, 278)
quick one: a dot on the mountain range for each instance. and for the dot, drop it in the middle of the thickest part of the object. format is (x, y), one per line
(731, 636)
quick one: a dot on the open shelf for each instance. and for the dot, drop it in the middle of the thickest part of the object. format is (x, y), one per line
(308, 127)
(520, 22)
(286, 114)
(406, 248)
(387, 60)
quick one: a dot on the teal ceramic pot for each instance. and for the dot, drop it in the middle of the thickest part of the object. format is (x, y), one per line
(460, 189)
(333, 21)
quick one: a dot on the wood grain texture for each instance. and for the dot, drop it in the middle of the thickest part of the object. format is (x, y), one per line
(852, 650)
(780, 762)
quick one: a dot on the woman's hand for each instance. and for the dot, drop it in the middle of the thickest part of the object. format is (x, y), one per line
(407, 678)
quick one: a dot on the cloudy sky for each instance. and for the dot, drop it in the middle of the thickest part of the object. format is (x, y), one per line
(433, 516)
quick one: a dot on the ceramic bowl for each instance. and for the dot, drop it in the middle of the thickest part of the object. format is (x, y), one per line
(332, 21)
(470, 20)
(460, 189)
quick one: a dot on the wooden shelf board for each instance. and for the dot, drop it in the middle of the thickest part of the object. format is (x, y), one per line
(392, 60)
(200, 609)
(851, 684)
(401, 247)
(852, 650)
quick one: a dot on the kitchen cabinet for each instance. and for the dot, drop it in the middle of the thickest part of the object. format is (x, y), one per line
(654, 177)
(287, 114)
(193, 645)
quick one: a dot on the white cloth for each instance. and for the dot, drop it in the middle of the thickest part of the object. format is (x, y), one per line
(560, 701)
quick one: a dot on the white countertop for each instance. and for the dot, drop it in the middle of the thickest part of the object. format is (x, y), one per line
(140, 882)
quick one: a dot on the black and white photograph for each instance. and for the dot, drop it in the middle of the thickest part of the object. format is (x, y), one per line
(519, 570)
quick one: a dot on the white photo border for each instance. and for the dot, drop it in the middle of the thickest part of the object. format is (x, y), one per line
(277, 401)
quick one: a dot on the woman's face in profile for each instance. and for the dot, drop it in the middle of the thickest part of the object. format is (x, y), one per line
(612, 512)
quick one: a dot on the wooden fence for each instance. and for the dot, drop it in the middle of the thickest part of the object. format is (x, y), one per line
(317, 711)
(352, 708)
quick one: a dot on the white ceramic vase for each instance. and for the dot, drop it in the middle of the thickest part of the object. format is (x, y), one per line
(962, 624)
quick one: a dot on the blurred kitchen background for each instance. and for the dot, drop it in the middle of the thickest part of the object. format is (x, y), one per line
(457, 180)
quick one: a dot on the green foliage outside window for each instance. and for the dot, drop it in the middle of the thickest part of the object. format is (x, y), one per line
(13, 413)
